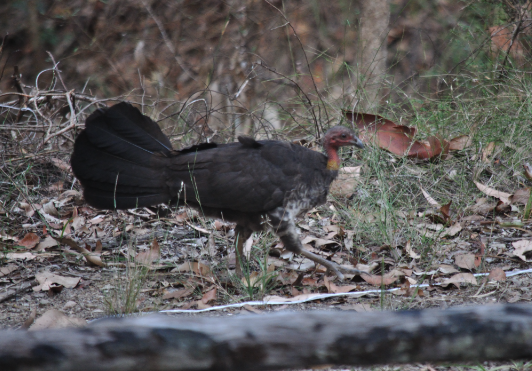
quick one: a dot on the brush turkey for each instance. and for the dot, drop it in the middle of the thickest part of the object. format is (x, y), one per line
(123, 160)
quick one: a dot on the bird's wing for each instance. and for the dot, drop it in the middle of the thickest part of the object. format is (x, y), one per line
(243, 178)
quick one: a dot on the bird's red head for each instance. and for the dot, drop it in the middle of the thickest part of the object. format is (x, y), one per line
(336, 137)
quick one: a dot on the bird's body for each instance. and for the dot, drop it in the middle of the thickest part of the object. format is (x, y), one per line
(123, 160)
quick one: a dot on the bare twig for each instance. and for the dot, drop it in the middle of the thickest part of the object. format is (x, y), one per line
(308, 67)
(167, 41)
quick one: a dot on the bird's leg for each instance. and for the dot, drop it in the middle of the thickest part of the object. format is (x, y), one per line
(286, 231)
(241, 234)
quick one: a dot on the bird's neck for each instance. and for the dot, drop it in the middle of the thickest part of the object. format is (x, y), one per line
(333, 161)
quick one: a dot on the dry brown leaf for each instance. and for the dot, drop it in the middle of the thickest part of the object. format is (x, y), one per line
(47, 278)
(446, 269)
(29, 241)
(280, 299)
(497, 274)
(49, 208)
(20, 256)
(251, 309)
(6, 269)
(29, 209)
(91, 257)
(466, 261)
(148, 257)
(429, 198)
(520, 196)
(522, 247)
(398, 139)
(78, 222)
(178, 294)
(459, 278)
(482, 206)
(446, 211)
(49, 241)
(411, 252)
(334, 289)
(209, 296)
(528, 171)
(387, 279)
(29, 321)
(60, 164)
(460, 143)
(453, 230)
(56, 319)
(503, 196)
(488, 151)
(194, 267)
(322, 242)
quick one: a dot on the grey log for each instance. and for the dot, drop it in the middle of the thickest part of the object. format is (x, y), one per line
(276, 341)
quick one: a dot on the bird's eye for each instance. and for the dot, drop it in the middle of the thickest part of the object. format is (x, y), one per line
(344, 135)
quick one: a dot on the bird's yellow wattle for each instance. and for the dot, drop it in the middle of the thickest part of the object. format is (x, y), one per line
(333, 164)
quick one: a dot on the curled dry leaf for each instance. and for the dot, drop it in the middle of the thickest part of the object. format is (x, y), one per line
(6, 269)
(411, 252)
(398, 139)
(334, 289)
(460, 143)
(209, 296)
(497, 274)
(429, 198)
(29, 321)
(522, 247)
(29, 210)
(49, 208)
(447, 269)
(520, 196)
(148, 257)
(46, 279)
(482, 206)
(60, 164)
(488, 151)
(466, 261)
(446, 212)
(528, 171)
(178, 294)
(194, 267)
(20, 256)
(29, 241)
(91, 257)
(453, 230)
(56, 319)
(386, 279)
(503, 196)
(459, 278)
(49, 241)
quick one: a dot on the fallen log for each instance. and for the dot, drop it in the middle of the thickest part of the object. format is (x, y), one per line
(276, 341)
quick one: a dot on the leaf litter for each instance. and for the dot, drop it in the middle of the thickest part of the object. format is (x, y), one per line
(189, 257)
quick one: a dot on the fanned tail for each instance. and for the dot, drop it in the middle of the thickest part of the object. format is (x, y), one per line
(120, 159)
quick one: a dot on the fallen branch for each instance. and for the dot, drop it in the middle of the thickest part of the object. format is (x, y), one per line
(276, 341)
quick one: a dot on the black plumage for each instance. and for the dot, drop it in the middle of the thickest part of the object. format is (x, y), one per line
(123, 160)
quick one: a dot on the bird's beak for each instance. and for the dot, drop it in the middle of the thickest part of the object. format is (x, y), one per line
(357, 142)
